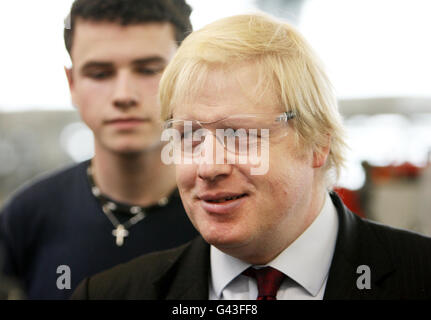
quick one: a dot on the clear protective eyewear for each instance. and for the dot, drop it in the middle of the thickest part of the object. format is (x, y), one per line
(236, 133)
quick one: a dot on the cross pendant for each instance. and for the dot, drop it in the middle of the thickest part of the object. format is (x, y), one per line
(120, 233)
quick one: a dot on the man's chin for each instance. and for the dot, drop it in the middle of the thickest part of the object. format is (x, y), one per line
(135, 149)
(224, 243)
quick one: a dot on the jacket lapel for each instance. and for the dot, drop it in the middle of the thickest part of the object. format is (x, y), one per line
(357, 245)
(186, 277)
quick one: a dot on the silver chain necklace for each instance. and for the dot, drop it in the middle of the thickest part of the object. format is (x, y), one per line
(108, 206)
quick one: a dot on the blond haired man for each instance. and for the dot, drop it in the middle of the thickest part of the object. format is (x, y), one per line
(248, 83)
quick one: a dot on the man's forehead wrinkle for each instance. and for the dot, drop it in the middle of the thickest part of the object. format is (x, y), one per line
(252, 89)
(203, 117)
(221, 98)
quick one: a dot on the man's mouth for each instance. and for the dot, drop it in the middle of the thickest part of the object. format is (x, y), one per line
(225, 199)
(222, 203)
(126, 120)
(126, 123)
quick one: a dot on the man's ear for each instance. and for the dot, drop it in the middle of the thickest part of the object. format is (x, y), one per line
(69, 76)
(70, 81)
(320, 156)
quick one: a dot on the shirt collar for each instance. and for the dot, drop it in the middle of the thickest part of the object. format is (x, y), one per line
(224, 268)
(307, 260)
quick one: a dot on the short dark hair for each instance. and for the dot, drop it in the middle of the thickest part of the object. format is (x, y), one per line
(130, 12)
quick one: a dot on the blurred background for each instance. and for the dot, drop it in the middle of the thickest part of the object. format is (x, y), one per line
(376, 53)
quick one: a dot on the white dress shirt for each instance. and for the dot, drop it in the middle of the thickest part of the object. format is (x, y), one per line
(306, 263)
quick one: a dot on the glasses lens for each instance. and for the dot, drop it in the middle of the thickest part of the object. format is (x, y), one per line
(240, 134)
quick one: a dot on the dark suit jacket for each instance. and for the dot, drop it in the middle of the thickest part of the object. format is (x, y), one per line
(399, 262)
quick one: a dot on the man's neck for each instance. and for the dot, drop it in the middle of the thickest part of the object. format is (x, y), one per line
(136, 179)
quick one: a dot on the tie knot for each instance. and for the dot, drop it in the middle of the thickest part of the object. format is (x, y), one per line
(268, 281)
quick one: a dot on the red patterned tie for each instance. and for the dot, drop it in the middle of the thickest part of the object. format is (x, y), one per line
(268, 281)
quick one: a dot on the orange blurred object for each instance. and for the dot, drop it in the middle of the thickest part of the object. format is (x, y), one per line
(351, 200)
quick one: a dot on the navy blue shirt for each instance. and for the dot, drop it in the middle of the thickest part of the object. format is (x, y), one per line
(57, 221)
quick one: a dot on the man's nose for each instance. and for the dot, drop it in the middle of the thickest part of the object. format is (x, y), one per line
(125, 94)
(213, 165)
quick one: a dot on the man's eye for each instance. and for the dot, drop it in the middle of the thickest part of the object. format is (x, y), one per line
(254, 134)
(187, 135)
(149, 71)
(99, 75)
(242, 133)
(229, 132)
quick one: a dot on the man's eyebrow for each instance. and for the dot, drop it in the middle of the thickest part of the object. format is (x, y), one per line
(148, 60)
(96, 64)
(140, 61)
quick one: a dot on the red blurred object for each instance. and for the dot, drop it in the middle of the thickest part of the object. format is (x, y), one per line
(387, 173)
(351, 200)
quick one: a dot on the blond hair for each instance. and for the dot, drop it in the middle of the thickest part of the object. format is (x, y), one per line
(286, 64)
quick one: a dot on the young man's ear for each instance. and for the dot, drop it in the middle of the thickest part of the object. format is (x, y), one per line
(319, 158)
(70, 81)
(69, 77)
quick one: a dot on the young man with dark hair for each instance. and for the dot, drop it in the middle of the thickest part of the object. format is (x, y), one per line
(123, 202)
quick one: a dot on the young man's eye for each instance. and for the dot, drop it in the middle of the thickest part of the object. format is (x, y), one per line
(99, 75)
(149, 71)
